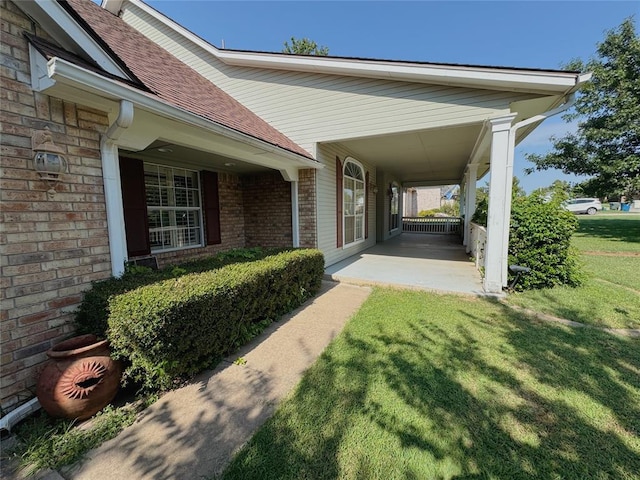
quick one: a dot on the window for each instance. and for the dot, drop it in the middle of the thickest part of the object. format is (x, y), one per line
(393, 207)
(164, 210)
(173, 207)
(353, 201)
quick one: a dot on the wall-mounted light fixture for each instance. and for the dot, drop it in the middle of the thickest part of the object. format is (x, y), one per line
(48, 159)
(373, 188)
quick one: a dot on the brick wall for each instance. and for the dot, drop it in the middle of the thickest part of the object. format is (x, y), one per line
(267, 210)
(307, 208)
(231, 224)
(52, 249)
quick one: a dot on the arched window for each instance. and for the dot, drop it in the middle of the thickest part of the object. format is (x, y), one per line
(353, 198)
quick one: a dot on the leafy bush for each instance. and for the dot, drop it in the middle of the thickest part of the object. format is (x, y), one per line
(91, 316)
(482, 210)
(180, 326)
(540, 238)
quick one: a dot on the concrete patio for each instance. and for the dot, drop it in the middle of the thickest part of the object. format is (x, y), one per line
(423, 261)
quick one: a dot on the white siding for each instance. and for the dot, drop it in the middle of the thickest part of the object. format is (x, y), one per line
(310, 107)
(326, 210)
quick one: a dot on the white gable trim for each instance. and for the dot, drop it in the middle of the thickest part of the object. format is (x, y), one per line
(546, 82)
(71, 36)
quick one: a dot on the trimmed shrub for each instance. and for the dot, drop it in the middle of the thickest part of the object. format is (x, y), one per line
(92, 314)
(178, 327)
(540, 238)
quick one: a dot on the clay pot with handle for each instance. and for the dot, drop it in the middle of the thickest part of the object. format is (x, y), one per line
(79, 379)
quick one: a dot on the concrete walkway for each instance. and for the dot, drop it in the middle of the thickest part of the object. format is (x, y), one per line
(193, 432)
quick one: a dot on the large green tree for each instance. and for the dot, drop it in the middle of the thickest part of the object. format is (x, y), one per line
(606, 145)
(304, 46)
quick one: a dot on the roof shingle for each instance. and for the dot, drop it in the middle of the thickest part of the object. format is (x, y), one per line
(172, 80)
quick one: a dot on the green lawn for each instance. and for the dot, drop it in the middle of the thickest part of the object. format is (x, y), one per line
(610, 297)
(608, 233)
(427, 386)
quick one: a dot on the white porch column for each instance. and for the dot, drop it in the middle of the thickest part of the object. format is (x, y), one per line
(295, 215)
(115, 210)
(470, 200)
(500, 185)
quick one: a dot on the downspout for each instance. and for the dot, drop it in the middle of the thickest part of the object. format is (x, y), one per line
(113, 188)
(570, 100)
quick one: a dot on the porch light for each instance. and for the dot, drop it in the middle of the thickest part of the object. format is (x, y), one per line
(373, 188)
(48, 159)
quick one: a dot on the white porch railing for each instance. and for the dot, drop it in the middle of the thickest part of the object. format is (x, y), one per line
(446, 225)
(477, 243)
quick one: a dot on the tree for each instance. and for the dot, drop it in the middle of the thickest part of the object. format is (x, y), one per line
(304, 46)
(606, 145)
(559, 190)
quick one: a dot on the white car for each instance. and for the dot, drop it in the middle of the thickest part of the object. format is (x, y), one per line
(583, 205)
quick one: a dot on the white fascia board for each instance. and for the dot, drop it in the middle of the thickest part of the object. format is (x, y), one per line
(493, 78)
(57, 21)
(67, 73)
(469, 76)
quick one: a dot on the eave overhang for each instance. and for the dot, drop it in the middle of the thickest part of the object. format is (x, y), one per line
(490, 78)
(63, 73)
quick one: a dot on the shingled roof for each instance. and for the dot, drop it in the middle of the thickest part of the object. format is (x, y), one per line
(172, 80)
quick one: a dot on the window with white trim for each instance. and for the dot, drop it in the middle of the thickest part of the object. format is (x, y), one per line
(353, 188)
(174, 208)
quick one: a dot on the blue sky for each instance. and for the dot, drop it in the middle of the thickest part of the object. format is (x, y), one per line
(536, 34)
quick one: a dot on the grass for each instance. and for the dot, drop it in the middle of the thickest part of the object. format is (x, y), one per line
(610, 297)
(48, 443)
(608, 233)
(422, 386)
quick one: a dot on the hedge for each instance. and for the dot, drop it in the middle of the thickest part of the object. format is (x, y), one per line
(178, 327)
(92, 314)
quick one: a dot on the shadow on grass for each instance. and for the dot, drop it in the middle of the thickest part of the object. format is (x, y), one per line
(619, 228)
(482, 393)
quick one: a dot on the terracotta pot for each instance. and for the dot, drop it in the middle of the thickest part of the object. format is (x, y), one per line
(79, 379)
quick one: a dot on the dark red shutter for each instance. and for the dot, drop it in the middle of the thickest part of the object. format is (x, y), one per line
(211, 207)
(134, 202)
(339, 200)
(366, 205)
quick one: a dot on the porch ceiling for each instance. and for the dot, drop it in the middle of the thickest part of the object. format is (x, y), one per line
(166, 152)
(426, 156)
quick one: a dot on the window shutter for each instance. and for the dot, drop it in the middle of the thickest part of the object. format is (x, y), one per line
(211, 207)
(339, 201)
(366, 205)
(134, 202)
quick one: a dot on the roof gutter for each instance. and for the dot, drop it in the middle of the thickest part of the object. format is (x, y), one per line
(67, 73)
(569, 100)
